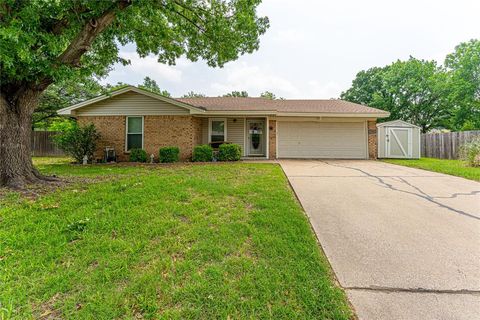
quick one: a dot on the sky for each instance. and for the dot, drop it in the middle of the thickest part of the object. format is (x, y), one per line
(314, 48)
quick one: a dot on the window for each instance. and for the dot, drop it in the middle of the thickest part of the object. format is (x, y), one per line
(134, 133)
(217, 130)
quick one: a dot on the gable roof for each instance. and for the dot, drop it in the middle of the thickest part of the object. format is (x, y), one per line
(240, 105)
(68, 110)
(398, 123)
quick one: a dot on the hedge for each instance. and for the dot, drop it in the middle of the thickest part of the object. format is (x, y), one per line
(138, 155)
(202, 153)
(229, 152)
(169, 154)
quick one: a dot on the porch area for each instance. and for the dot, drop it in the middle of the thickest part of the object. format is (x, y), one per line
(255, 135)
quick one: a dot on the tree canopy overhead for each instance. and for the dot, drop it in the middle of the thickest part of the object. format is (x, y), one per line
(49, 41)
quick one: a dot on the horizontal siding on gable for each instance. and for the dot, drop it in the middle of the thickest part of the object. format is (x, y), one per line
(131, 103)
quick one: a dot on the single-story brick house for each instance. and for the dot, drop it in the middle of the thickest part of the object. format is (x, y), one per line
(135, 118)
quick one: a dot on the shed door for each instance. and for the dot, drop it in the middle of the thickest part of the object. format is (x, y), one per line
(398, 142)
(340, 140)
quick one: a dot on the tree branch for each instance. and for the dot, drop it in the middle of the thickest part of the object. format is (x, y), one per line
(82, 42)
(84, 39)
(196, 25)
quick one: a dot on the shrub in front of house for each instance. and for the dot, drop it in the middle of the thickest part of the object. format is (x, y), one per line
(169, 154)
(229, 152)
(470, 152)
(78, 141)
(202, 153)
(138, 155)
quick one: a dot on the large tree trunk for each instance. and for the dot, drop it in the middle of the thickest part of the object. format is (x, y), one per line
(18, 101)
(16, 111)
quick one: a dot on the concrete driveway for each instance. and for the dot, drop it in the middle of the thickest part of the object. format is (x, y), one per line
(404, 243)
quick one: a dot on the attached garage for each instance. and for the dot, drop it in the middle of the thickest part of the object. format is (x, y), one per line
(334, 140)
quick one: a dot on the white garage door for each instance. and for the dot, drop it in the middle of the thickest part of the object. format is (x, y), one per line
(337, 140)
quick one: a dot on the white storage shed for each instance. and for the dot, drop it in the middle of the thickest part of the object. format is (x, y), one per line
(398, 139)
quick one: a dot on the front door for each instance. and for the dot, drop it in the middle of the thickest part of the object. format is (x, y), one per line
(256, 137)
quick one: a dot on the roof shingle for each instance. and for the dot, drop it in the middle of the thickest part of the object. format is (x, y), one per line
(287, 106)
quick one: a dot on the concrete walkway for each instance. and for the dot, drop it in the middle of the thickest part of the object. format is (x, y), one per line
(404, 243)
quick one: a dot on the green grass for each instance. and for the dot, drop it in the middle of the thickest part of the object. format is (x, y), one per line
(164, 242)
(457, 168)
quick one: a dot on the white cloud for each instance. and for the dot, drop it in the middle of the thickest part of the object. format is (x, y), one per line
(139, 68)
(327, 90)
(289, 36)
(254, 79)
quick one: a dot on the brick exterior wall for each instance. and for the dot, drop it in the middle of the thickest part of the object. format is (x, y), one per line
(372, 140)
(159, 131)
(272, 139)
(112, 131)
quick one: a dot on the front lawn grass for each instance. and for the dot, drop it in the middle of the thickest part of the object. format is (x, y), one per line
(457, 168)
(224, 241)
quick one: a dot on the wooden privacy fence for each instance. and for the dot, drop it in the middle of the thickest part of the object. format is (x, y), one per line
(43, 146)
(445, 145)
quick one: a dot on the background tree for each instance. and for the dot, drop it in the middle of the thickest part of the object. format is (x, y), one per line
(424, 93)
(366, 85)
(151, 85)
(61, 95)
(270, 95)
(463, 66)
(192, 94)
(45, 42)
(413, 90)
(240, 94)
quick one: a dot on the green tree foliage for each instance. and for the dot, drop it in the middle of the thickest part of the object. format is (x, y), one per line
(366, 85)
(424, 93)
(61, 95)
(463, 66)
(151, 85)
(413, 90)
(270, 95)
(240, 94)
(46, 42)
(192, 94)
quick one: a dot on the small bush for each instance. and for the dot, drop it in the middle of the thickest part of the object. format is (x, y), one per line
(202, 153)
(168, 154)
(471, 152)
(229, 152)
(138, 155)
(77, 141)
